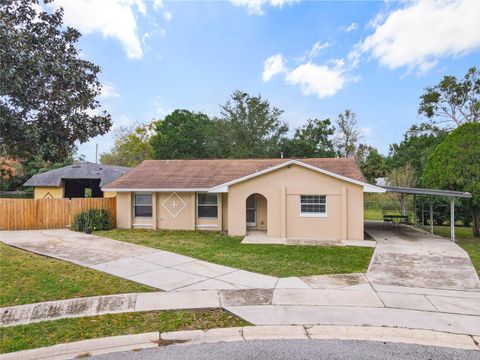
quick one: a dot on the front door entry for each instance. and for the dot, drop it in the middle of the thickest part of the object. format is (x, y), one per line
(252, 211)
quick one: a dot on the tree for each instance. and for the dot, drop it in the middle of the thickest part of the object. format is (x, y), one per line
(311, 140)
(181, 135)
(455, 165)
(47, 92)
(348, 134)
(250, 128)
(417, 144)
(373, 165)
(132, 146)
(404, 176)
(453, 102)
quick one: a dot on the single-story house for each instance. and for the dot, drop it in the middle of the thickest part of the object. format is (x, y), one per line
(318, 198)
(75, 181)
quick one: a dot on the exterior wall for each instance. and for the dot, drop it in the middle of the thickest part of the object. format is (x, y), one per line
(124, 210)
(185, 219)
(282, 189)
(40, 192)
(225, 211)
(109, 194)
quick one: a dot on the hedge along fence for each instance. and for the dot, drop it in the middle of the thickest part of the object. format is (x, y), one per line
(32, 214)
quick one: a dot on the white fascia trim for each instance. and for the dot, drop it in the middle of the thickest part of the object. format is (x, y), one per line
(366, 187)
(158, 190)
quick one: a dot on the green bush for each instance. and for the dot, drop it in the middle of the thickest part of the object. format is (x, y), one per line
(92, 220)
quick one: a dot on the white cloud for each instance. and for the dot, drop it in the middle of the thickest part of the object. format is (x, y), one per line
(322, 80)
(157, 4)
(352, 27)
(167, 15)
(108, 91)
(317, 48)
(112, 18)
(418, 35)
(255, 7)
(272, 66)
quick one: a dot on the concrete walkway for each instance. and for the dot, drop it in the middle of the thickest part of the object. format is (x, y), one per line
(159, 269)
(406, 257)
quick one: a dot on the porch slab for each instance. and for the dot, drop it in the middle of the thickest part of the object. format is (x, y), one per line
(260, 237)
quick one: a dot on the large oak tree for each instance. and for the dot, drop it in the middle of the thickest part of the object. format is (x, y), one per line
(48, 94)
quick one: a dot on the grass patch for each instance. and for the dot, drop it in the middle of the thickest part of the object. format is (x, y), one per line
(48, 333)
(372, 214)
(464, 238)
(27, 278)
(275, 260)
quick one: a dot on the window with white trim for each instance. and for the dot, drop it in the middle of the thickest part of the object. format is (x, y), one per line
(313, 205)
(207, 206)
(142, 204)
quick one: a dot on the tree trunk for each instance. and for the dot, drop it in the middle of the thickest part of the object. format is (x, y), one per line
(476, 220)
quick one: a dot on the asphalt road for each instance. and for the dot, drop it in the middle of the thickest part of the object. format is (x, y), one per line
(295, 349)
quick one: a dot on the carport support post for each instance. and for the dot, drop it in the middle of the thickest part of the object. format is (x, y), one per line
(431, 215)
(452, 219)
(414, 209)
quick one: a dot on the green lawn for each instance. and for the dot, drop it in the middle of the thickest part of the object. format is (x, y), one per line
(27, 278)
(48, 333)
(275, 260)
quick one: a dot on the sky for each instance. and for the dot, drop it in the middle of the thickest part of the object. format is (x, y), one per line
(312, 59)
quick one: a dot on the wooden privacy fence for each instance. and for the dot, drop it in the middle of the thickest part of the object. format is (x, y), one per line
(31, 214)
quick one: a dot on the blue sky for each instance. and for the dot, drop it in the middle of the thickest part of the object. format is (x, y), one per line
(311, 59)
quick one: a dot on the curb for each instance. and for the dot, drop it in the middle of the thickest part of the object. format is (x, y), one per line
(247, 333)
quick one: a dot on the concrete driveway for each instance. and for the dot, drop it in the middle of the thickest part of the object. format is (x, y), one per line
(406, 257)
(159, 269)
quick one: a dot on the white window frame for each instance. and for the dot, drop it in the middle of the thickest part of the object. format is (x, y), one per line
(135, 204)
(198, 205)
(312, 214)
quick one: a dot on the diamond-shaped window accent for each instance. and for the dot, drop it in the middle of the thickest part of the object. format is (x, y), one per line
(174, 204)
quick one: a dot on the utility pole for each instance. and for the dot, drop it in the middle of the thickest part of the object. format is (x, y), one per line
(96, 153)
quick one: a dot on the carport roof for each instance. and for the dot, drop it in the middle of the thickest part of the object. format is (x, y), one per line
(426, 192)
(86, 170)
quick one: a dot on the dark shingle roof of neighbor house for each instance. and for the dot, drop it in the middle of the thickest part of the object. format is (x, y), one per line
(86, 170)
(205, 174)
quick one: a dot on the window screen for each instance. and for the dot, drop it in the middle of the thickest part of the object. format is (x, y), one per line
(207, 205)
(143, 205)
(313, 204)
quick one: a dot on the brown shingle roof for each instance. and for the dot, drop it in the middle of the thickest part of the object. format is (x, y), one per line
(205, 174)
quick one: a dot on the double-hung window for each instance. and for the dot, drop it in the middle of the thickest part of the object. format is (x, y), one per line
(143, 204)
(313, 205)
(207, 206)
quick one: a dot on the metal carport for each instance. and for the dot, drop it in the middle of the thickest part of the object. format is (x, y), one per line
(431, 193)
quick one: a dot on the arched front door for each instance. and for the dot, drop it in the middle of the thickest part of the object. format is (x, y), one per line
(256, 212)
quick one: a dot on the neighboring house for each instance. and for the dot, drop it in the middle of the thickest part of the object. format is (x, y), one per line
(75, 181)
(318, 198)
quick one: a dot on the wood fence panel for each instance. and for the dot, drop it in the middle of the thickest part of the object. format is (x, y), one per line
(31, 214)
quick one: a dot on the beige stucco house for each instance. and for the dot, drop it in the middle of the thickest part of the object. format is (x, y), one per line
(319, 198)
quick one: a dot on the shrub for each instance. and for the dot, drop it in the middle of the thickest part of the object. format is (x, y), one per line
(93, 219)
